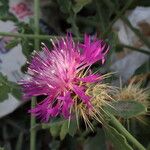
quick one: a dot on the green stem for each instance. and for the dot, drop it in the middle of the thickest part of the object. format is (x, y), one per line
(36, 23)
(128, 125)
(135, 49)
(34, 36)
(125, 133)
(136, 31)
(32, 123)
(20, 141)
(36, 47)
(31, 36)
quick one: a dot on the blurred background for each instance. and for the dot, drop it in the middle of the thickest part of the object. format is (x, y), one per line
(123, 24)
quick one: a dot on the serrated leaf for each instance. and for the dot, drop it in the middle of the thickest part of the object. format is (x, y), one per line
(64, 130)
(12, 44)
(118, 140)
(126, 108)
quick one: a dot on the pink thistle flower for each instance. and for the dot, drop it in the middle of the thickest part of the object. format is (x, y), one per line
(62, 74)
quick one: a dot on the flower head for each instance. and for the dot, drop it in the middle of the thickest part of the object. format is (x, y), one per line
(62, 75)
(133, 91)
(100, 94)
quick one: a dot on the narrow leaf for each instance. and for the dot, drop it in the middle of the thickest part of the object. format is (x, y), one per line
(12, 44)
(73, 127)
(64, 130)
(55, 129)
(118, 140)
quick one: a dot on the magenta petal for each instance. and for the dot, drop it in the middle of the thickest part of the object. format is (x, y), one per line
(41, 109)
(67, 104)
(54, 111)
(92, 51)
(86, 99)
(91, 78)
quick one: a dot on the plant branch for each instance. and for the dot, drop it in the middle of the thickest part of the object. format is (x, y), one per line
(36, 47)
(32, 123)
(136, 31)
(31, 36)
(135, 49)
(125, 133)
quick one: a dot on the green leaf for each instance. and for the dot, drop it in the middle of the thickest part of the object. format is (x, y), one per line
(26, 43)
(3, 8)
(55, 126)
(80, 4)
(9, 87)
(59, 127)
(12, 44)
(27, 47)
(126, 108)
(16, 92)
(68, 128)
(73, 127)
(45, 125)
(118, 140)
(55, 129)
(64, 130)
(3, 78)
(4, 90)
